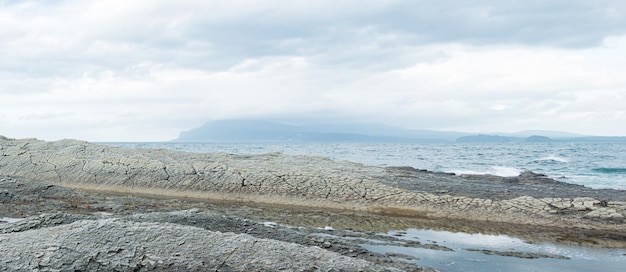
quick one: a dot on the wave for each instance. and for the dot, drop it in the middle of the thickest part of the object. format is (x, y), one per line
(501, 171)
(553, 158)
(610, 170)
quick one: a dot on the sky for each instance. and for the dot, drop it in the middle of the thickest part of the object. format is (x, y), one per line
(145, 70)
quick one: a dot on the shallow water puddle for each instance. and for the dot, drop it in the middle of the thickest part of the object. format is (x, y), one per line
(480, 252)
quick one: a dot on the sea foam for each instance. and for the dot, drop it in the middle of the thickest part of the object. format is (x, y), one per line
(502, 171)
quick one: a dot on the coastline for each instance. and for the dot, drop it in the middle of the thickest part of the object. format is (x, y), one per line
(314, 181)
(102, 179)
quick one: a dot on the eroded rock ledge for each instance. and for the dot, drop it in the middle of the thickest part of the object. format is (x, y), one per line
(309, 181)
(119, 245)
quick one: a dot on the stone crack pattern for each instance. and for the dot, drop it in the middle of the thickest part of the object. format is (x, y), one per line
(281, 179)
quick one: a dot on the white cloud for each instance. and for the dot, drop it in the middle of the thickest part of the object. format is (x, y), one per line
(482, 85)
(145, 70)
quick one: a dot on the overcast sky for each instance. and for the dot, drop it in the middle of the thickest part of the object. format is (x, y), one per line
(144, 70)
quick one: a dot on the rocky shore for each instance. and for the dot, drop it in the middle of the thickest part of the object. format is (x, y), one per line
(75, 194)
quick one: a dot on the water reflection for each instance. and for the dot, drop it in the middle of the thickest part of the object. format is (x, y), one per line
(482, 252)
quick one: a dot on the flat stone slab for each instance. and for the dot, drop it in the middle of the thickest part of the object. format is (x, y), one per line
(117, 245)
(312, 181)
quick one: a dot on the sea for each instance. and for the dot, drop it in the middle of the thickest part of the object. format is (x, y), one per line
(594, 165)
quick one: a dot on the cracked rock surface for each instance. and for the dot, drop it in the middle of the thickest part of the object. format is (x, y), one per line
(313, 181)
(118, 245)
(88, 210)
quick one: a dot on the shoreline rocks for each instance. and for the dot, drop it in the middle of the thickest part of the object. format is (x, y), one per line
(312, 181)
(21, 196)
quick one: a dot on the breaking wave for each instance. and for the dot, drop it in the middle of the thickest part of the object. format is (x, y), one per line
(501, 171)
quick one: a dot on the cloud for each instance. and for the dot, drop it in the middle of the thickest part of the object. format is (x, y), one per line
(214, 34)
(531, 83)
(145, 70)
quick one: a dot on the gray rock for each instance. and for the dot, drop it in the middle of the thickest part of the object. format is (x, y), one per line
(304, 180)
(43, 221)
(116, 245)
(519, 254)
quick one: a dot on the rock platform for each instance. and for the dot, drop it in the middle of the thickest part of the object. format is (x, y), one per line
(118, 245)
(70, 176)
(312, 181)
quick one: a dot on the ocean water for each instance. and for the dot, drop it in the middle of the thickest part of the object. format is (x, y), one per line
(595, 165)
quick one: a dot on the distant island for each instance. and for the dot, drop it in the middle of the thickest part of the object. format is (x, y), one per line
(503, 139)
(271, 131)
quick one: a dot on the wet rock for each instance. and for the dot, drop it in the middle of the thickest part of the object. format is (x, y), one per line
(401, 256)
(518, 254)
